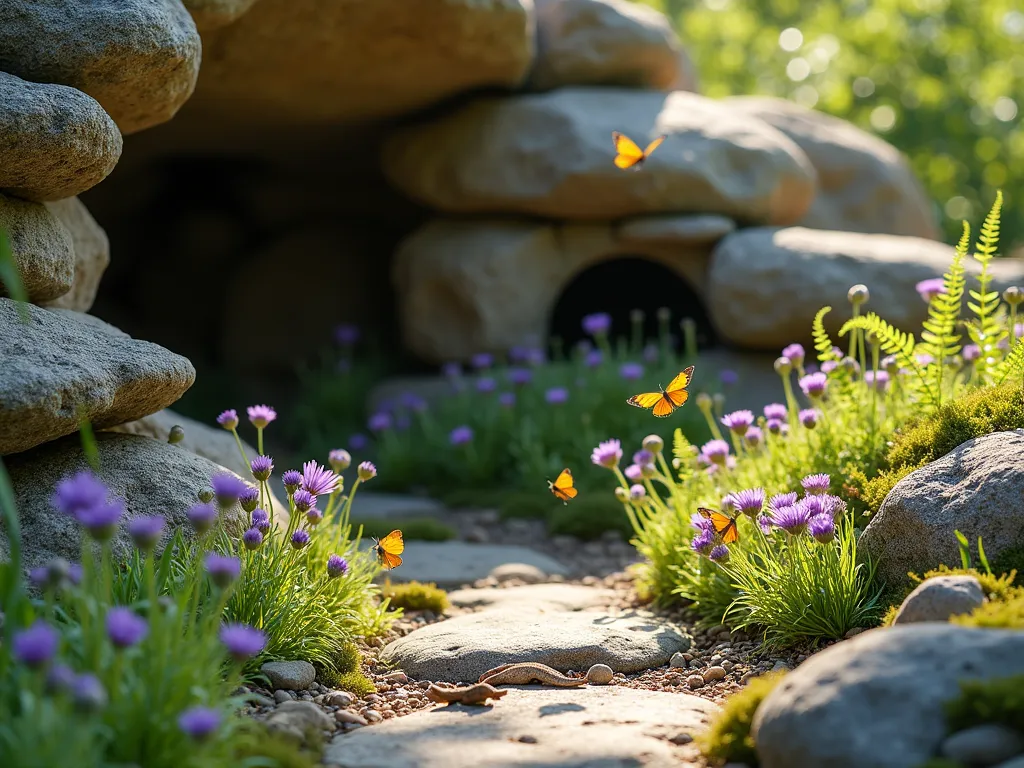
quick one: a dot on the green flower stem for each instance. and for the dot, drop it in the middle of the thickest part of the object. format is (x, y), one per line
(792, 407)
(259, 440)
(347, 509)
(238, 442)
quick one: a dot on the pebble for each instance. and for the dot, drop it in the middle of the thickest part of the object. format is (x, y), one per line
(781, 666)
(282, 696)
(397, 677)
(528, 739)
(339, 699)
(349, 718)
(600, 674)
(681, 738)
(678, 660)
(983, 745)
(695, 681)
(713, 673)
(373, 716)
(290, 675)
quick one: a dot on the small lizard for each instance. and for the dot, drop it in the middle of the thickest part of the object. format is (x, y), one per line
(527, 672)
(471, 694)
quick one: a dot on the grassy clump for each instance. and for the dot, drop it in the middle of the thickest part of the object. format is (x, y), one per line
(1000, 701)
(357, 683)
(412, 528)
(1004, 613)
(728, 738)
(415, 596)
(346, 672)
(256, 741)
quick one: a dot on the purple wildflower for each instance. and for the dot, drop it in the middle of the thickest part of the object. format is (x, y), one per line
(728, 377)
(379, 422)
(60, 679)
(780, 500)
(749, 501)
(461, 435)
(300, 539)
(597, 324)
(753, 437)
(777, 426)
(199, 722)
(738, 421)
(101, 521)
(79, 492)
(227, 488)
(930, 288)
(520, 376)
(242, 641)
(716, 451)
(814, 384)
(486, 384)
(637, 492)
(703, 542)
(719, 554)
(795, 354)
(36, 645)
(292, 479)
(318, 480)
(261, 520)
(816, 484)
(252, 538)
(482, 360)
(145, 531)
(303, 499)
(88, 693)
(878, 380)
(593, 359)
(809, 417)
(556, 395)
(261, 467)
(971, 352)
(765, 524)
(792, 519)
(124, 628)
(631, 371)
(608, 454)
(823, 504)
(339, 459)
(222, 569)
(250, 498)
(633, 473)
(358, 441)
(822, 528)
(924, 359)
(336, 566)
(314, 516)
(261, 415)
(507, 399)
(775, 411)
(366, 471)
(643, 457)
(412, 402)
(202, 516)
(828, 366)
(228, 419)
(346, 334)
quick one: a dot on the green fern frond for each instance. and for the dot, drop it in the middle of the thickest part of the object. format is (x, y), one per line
(682, 449)
(939, 336)
(985, 330)
(1011, 365)
(822, 342)
(899, 344)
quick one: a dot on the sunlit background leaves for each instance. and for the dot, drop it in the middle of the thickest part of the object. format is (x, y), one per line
(942, 80)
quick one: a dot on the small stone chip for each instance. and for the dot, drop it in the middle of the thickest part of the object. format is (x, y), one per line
(695, 681)
(528, 739)
(678, 660)
(713, 673)
(599, 674)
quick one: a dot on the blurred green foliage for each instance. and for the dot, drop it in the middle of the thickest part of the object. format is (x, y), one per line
(942, 80)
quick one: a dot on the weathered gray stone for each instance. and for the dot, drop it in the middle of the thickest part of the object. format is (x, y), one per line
(983, 745)
(546, 597)
(864, 183)
(588, 727)
(374, 504)
(57, 142)
(211, 14)
(51, 366)
(879, 697)
(673, 230)
(551, 154)
(938, 598)
(42, 248)
(453, 563)
(607, 42)
(975, 488)
(765, 284)
(530, 574)
(92, 254)
(138, 58)
(289, 675)
(152, 478)
(464, 647)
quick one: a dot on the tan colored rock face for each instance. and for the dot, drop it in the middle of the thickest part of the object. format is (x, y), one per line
(57, 142)
(470, 286)
(864, 183)
(138, 58)
(551, 155)
(296, 61)
(607, 42)
(42, 248)
(211, 14)
(766, 284)
(92, 254)
(54, 364)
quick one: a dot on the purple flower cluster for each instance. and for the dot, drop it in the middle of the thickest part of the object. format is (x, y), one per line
(795, 353)
(124, 628)
(228, 419)
(748, 502)
(715, 452)
(242, 641)
(738, 422)
(556, 396)
(817, 513)
(318, 480)
(461, 435)
(930, 288)
(223, 570)
(336, 566)
(228, 489)
(597, 324)
(145, 531)
(261, 415)
(631, 371)
(366, 471)
(814, 385)
(84, 497)
(199, 723)
(608, 454)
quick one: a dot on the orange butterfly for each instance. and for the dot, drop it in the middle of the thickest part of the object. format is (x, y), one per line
(563, 487)
(388, 550)
(725, 526)
(629, 153)
(668, 399)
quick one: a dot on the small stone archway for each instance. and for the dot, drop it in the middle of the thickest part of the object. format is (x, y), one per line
(617, 286)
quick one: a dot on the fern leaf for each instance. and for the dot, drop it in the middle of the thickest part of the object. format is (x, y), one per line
(1011, 365)
(822, 342)
(941, 341)
(986, 331)
(897, 343)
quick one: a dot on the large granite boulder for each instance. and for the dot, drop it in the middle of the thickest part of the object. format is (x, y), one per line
(975, 489)
(54, 367)
(550, 154)
(864, 183)
(43, 249)
(92, 254)
(607, 42)
(210, 14)
(765, 284)
(138, 58)
(151, 477)
(307, 61)
(877, 700)
(57, 142)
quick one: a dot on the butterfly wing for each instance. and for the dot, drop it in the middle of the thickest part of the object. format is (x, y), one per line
(646, 399)
(563, 487)
(629, 154)
(388, 560)
(725, 527)
(653, 146)
(664, 406)
(676, 390)
(393, 543)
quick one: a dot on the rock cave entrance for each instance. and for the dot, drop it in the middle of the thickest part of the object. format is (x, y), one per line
(622, 285)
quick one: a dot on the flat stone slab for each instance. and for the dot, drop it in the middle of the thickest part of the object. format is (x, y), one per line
(463, 648)
(549, 597)
(589, 727)
(454, 563)
(370, 504)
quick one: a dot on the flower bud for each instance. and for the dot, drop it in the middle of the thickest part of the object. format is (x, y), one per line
(858, 295)
(1013, 295)
(783, 366)
(176, 435)
(653, 443)
(621, 494)
(704, 402)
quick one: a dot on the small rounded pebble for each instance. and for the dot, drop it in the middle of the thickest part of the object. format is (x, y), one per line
(528, 739)
(350, 718)
(600, 674)
(681, 738)
(281, 696)
(397, 677)
(713, 673)
(373, 716)
(695, 681)
(678, 660)
(728, 666)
